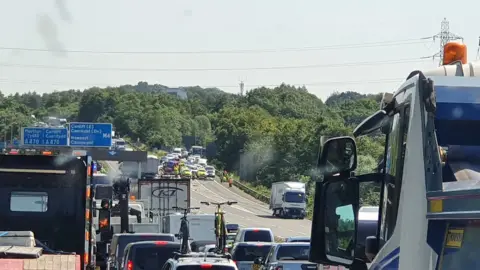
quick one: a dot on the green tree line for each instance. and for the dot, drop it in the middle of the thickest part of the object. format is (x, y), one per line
(267, 135)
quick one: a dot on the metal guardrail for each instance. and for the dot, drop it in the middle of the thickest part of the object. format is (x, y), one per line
(257, 195)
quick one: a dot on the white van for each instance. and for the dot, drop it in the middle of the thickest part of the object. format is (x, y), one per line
(200, 226)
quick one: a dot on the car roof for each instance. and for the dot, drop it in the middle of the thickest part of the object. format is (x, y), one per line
(154, 243)
(133, 245)
(255, 244)
(298, 237)
(293, 244)
(256, 229)
(201, 260)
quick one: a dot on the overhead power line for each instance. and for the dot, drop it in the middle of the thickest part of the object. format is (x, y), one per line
(332, 65)
(299, 49)
(378, 81)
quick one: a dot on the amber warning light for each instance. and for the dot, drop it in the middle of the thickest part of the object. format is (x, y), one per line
(454, 51)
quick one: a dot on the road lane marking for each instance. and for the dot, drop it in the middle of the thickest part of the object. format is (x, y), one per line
(260, 219)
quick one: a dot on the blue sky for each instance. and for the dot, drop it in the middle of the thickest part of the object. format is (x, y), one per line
(199, 25)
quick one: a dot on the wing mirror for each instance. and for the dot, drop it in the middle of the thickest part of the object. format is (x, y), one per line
(339, 155)
(334, 229)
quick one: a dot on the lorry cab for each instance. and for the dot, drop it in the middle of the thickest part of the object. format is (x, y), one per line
(430, 193)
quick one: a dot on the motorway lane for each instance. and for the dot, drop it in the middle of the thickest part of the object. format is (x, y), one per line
(248, 212)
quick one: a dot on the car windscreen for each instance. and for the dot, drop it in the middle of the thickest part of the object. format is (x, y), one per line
(153, 258)
(123, 241)
(294, 252)
(257, 236)
(295, 197)
(205, 266)
(248, 253)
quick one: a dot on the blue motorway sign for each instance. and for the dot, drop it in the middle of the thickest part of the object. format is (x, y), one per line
(91, 134)
(44, 136)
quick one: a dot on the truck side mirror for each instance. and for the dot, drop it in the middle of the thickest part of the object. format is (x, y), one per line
(334, 229)
(339, 156)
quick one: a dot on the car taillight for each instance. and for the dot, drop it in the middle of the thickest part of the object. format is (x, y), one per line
(160, 243)
(205, 266)
(256, 230)
(276, 268)
(235, 262)
(130, 265)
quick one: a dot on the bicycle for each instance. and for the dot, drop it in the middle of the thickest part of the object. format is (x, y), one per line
(184, 233)
(220, 228)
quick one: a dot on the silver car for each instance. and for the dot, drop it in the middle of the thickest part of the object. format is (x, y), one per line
(245, 253)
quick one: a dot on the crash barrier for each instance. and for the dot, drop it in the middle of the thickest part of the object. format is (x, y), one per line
(257, 195)
(251, 192)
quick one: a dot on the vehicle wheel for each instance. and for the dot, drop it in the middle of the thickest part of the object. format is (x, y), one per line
(282, 214)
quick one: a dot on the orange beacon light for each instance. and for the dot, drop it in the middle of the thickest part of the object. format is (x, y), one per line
(454, 51)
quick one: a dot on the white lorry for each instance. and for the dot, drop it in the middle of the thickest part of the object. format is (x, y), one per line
(130, 168)
(200, 226)
(151, 165)
(288, 199)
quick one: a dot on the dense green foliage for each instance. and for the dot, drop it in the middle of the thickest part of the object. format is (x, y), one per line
(268, 135)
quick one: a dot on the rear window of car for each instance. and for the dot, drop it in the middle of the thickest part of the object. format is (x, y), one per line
(244, 253)
(124, 240)
(257, 236)
(298, 253)
(205, 267)
(152, 258)
(299, 240)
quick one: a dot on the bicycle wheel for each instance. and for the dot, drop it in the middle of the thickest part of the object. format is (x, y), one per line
(216, 225)
(185, 236)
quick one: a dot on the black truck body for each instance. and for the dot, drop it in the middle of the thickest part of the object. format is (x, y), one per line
(50, 196)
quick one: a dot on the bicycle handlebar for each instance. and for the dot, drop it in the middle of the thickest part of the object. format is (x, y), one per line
(219, 204)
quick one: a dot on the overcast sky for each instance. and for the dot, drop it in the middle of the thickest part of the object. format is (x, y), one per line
(195, 26)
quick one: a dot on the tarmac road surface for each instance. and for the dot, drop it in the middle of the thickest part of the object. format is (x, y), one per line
(248, 212)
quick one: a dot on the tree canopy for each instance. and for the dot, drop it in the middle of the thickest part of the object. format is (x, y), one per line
(267, 135)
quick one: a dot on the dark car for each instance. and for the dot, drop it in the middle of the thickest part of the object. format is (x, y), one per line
(121, 240)
(148, 255)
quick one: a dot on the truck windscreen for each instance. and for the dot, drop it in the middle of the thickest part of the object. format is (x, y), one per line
(46, 195)
(294, 197)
